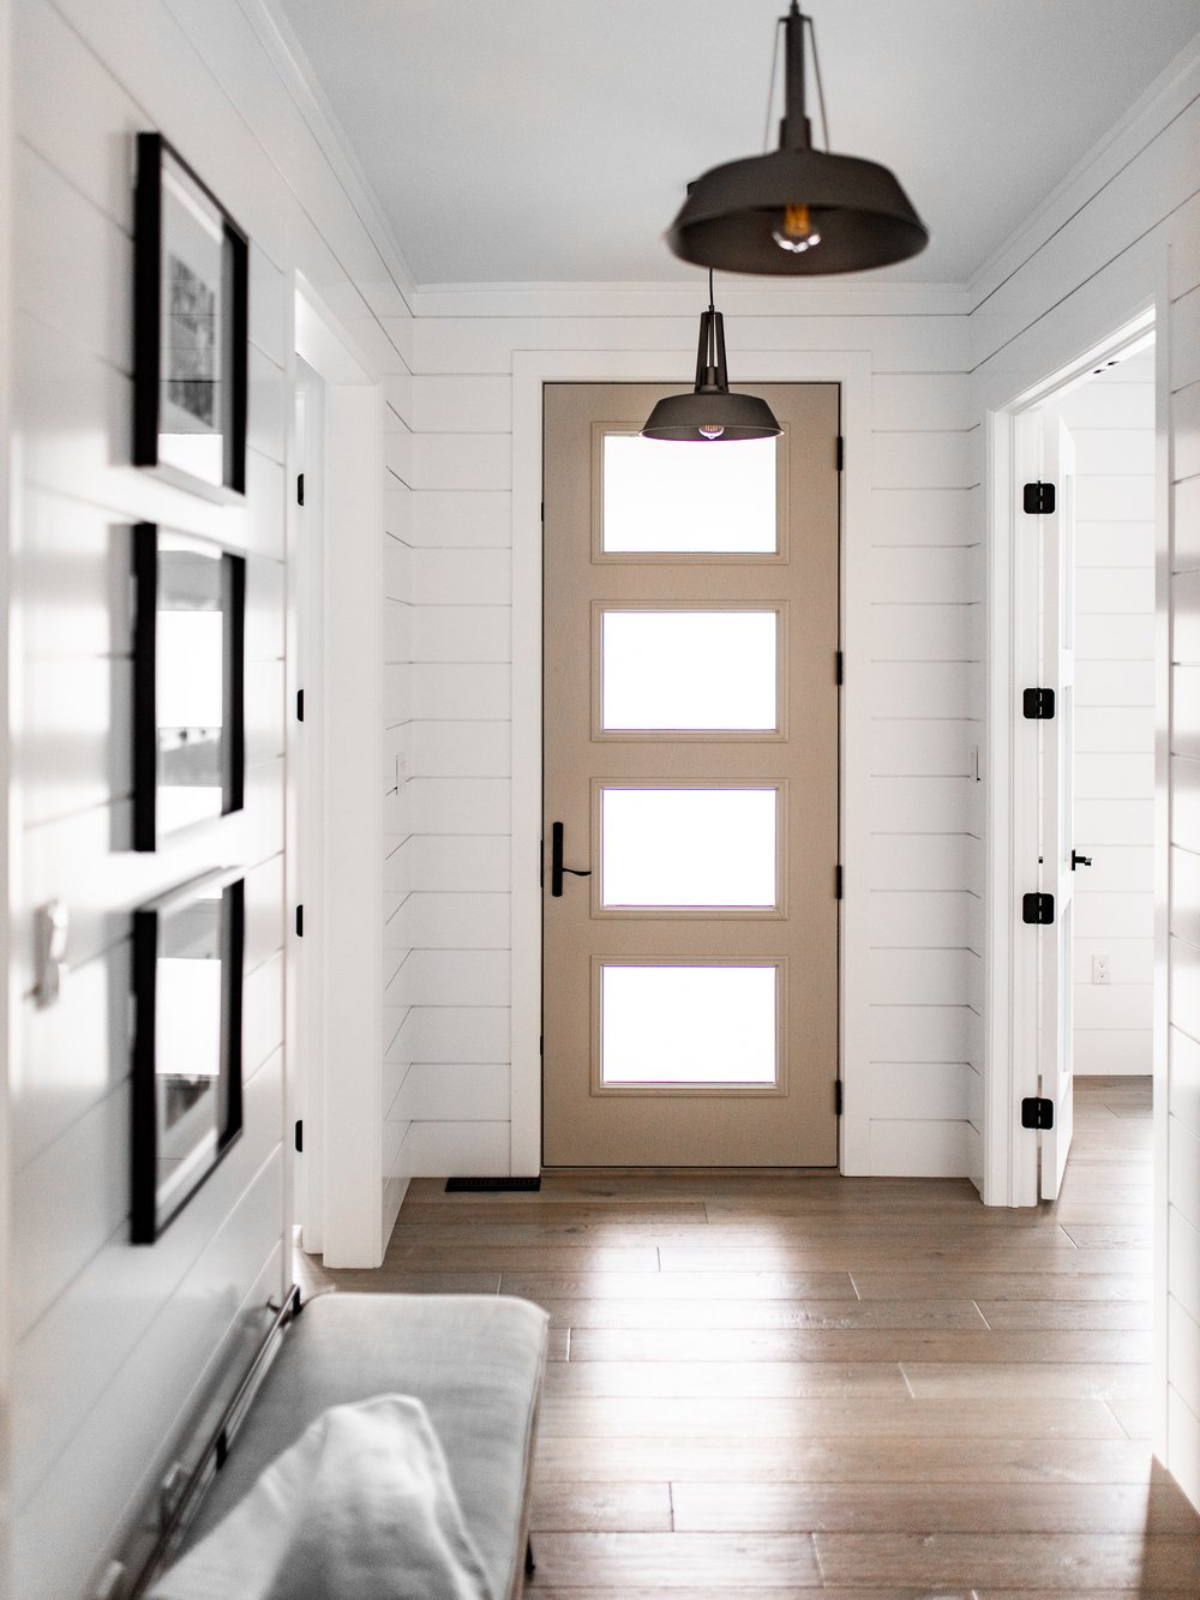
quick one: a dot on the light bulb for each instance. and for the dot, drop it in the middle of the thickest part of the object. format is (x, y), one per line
(711, 430)
(796, 233)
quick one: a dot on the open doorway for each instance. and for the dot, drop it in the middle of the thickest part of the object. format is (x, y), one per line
(1075, 900)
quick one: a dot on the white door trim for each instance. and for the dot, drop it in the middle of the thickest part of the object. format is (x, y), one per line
(1011, 993)
(344, 795)
(531, 370)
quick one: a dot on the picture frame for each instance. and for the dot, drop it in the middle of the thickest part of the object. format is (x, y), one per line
(186, 1051)
(189, 683)
(191, 328)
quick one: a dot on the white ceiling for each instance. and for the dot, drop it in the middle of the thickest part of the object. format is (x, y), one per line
(513, 141)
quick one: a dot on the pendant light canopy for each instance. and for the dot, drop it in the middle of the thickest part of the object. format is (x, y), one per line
(797, 211)
(710, 413)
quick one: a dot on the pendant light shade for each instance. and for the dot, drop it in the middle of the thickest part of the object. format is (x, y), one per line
(710, 413)
(797, 211)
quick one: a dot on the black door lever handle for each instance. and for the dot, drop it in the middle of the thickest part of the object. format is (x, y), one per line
(556, 862)
(1079, 861)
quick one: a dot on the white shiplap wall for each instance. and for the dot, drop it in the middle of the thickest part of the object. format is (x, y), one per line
(1111, 419)
(1122, 235)
(114, 1347)
(917, 1083)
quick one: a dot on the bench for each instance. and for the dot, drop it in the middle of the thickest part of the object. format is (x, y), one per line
(475, 1361)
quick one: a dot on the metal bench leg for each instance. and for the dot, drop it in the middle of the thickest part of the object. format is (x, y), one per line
(530, 1563)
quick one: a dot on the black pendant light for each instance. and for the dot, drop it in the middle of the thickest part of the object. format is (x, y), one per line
(797, 211)
(710, 413)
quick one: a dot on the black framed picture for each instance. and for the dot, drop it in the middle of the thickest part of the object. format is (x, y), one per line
(191, 303)
(187, 1044)
(189, 744)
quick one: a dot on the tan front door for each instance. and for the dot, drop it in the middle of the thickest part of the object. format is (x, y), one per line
(690, 983)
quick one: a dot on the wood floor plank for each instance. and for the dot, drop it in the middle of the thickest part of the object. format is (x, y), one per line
(680, 1285)
(833, 1461)
(877, 1419)
(677, 1560)
(1076, 1563)
(942, 1380)
(700, 1314)
(852, 1344)
(985, 1257)
(763, 1379)
(602, 1508)
(1134, 1315)
(954, 1284)
(930, 1508)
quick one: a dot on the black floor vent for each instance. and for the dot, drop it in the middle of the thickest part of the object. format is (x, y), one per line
(493, 1185)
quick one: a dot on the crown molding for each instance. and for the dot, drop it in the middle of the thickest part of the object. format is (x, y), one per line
(287, 55)
(1170, 94)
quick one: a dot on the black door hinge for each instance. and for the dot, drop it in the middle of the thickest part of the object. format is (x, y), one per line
(299, 705)
(1038, 908)
(1039, 499)
(299, 922)
(300, 1137)
(839, 668)
(541, 1045)
(1037, 1113)
(837, 1097)
(543, 511)
(1039, 704)
(300, 490)
(841, 453)
(837, 881)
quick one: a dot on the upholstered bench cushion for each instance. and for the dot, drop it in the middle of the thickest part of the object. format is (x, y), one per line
(476, 1361)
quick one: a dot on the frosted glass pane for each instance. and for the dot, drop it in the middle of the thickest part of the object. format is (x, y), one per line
(689, 669)
(688, 847)
(688, 1025)
(688, 498)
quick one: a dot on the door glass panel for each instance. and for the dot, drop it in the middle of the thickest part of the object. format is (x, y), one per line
(689, 669)
(687, 500)
(688, 847)
(688, 1025)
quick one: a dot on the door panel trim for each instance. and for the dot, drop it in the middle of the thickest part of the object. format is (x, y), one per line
(691, 1091)
(776, 913)
(776, 735)
(685, 558)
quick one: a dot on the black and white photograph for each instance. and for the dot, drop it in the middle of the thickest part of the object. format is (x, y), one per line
(186, 1086)
(188, 683)
(191, 292)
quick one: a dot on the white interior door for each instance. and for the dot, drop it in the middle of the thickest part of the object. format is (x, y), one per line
(1058, 801)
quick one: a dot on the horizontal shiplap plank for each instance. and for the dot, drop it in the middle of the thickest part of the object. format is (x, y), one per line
(925, 516)
(452, 1092)
(462, 404)
(919, 631)
(448, 1149)
(914, 1148)
(461, 692)
(451, 519)
(452, 863)
(446, 577)
(456, 1034)
(456, 921)
(928, 574)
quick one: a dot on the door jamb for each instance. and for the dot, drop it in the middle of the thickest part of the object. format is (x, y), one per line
(531, 370)
(1011, 998)
(344, 793)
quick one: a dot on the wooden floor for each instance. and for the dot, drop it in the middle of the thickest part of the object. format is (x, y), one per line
(873, 1387)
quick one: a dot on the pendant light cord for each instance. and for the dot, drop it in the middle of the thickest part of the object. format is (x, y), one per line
(812, 33)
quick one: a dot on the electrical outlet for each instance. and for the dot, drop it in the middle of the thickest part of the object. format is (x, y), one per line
(1101, 969)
